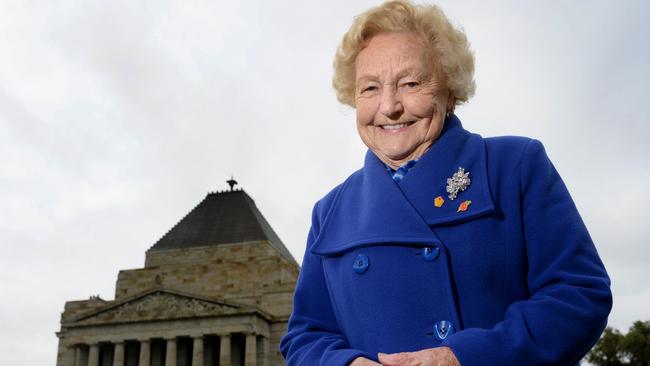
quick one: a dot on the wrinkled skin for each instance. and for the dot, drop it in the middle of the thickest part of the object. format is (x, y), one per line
(441, 356)
(401, 98)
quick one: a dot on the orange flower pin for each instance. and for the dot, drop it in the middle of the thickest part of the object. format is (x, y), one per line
(464, 206)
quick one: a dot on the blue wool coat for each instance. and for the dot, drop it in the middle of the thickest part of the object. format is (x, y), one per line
(513, 280)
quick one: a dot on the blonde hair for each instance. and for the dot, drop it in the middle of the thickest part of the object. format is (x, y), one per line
(449, 45)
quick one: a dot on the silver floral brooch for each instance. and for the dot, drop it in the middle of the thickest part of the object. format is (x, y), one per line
(458, 182)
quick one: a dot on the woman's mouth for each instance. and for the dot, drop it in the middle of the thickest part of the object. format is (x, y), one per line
(395, 127)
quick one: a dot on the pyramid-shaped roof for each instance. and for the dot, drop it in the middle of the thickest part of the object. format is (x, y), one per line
(222, 218)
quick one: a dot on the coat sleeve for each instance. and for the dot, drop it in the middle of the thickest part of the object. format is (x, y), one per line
(313, 336)
(570, 295)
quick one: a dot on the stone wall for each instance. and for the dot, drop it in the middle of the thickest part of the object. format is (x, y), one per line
(252, 273)
(74, 308)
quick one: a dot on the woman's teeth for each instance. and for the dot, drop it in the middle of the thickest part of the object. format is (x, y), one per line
(393, 127)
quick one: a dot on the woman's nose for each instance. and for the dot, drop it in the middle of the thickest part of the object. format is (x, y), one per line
(391, 105)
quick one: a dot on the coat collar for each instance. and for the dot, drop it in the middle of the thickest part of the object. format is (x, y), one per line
(427, 180)
(370, 208)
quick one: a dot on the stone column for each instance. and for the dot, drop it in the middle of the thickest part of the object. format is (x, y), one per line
(197, 351)
(170, 357)
(224, 351)
(67, 357)
(251, 350)
(145, 353)
(78, 354)
(265, 351)
(93, 355)
(118, 354)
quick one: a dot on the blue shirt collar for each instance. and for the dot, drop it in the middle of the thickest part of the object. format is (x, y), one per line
(400, 172)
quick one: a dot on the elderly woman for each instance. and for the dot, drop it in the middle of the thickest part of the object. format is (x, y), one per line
(446, 248)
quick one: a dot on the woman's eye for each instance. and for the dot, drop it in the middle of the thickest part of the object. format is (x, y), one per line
(411, 84)
(369, 88)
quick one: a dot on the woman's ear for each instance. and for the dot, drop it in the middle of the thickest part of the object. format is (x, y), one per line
(451, 103)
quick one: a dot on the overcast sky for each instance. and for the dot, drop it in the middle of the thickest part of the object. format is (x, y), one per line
(117, 117)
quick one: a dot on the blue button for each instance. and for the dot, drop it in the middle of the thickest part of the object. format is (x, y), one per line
(430, 253)
(443, 329)
(361, 263)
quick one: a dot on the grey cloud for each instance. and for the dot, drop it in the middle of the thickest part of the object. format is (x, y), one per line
(116, 119)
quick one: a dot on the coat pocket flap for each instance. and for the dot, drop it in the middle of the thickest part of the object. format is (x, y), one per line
(324, 248)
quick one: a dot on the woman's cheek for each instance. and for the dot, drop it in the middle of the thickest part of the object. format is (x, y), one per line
(422, 106)
(365, 111)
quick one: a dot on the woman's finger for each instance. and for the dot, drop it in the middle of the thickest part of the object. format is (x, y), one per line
(396, 359)
(362, 361)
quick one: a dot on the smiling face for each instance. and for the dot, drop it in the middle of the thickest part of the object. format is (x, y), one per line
(401, 99)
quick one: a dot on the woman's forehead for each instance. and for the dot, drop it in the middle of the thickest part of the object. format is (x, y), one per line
(395, 66)
(395, 53)
(394, 41)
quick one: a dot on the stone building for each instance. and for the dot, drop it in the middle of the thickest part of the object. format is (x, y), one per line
(215, 290)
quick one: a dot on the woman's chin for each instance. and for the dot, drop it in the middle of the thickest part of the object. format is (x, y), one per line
(397, 156)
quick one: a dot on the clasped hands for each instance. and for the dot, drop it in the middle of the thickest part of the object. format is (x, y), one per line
(440, 356)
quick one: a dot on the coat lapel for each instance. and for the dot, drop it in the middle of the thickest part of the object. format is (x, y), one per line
(427, 180)
(370, 208)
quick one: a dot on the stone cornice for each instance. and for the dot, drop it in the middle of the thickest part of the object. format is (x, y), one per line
(162, 304)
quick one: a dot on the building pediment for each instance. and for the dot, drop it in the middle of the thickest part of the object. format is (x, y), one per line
(159, 304)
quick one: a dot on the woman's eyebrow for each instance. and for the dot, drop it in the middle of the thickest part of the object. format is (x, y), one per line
(366, 77)
(409, 71)
(417, 73)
